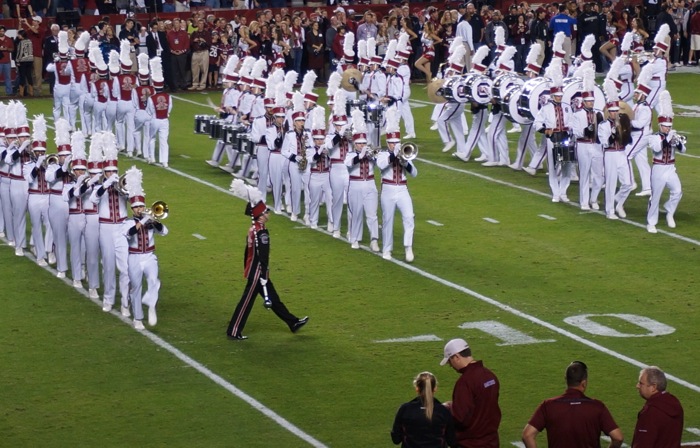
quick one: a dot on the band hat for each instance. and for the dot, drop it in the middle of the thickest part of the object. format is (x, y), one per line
(259, 83)
(279, 111)
(318, 133)
(665, 121)
(359, 137)
(393, 63)
(38, 145)
(94, 167)
(393, 137)
(453, 347)
(137, 201)
(269, 102)
(312, 97)
(613, 105)
(340, 119)
(79, 164)
(299, 115)
(588, 96)
(665, 109)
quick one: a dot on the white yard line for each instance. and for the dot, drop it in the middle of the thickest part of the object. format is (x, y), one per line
(199, 237)
(435, 223)
(491, 220)
(547, 217)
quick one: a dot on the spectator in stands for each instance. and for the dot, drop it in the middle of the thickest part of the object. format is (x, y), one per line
(130, 33)
(520, 36)
(24, 9)
(108, 41)
(50, 48)
(35, 35)
(694, 34)
(105, 6)
(315, 50)
(6, 48)
(179, 42)
(368, 28)
(490, 31)
(25, 63)
(199, 45)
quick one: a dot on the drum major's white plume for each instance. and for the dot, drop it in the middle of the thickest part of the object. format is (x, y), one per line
(243, 191)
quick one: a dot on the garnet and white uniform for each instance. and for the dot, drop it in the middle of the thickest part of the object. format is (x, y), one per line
(38, 205)
(58, 213)
(616, 167)
(159, 107)
(339, 177)
(627, 88)
(395, 195)
(556, 117)
(663, 174)
(589, 155)
(92, 236)
(404, 72)
(477, 134)
(19, 193)
(76, 197)
(5, 201)
(375, 90)
(258, 133)
(111, 206)
(319, 183)
(123, 89)
(294, 148)
(142, 122)
(658, 80)
(100, 92)
(79, 91)
(362, 195)
(143, 262)
(637, 150)
(111, 111)
(229, 99)
(61, 92)
(274, 136)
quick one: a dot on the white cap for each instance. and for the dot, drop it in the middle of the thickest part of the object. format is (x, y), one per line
(452, 348)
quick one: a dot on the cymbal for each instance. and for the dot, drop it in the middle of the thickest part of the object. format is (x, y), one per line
(432, 91)
(351, 80)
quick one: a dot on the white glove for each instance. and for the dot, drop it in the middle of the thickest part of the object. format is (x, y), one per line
(363, 153)
(40, 160)
(671, 135)
(24, 145)
(94, 180)
(66, 163)
(80, 179)
(110, 180)
(145, 220)
(263, 281)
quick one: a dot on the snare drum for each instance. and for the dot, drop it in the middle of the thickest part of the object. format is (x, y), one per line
(374, 113)
(564, 151)
(533, 96)
(247, 145)
(454, 89)
(509, 107)
(355, 104)
(503, 84)
(478, 88)
(201, 123)
(228, 133)
(216, 129)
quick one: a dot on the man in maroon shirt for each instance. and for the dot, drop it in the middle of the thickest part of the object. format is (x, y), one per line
(572, 419)
(6, 47)
(179, 42)
(36, 36)
(474, 402)
(660, 422)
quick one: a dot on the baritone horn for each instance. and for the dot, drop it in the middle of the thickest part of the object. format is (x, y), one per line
(158, 210)
(51, 159)
(408, 152)
(120, 185)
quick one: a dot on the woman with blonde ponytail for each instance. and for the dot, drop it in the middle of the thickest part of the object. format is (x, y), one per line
(424, 422)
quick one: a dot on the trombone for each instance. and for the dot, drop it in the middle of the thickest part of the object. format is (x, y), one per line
(157, 211)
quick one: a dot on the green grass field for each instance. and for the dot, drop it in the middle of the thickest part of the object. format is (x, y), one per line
(517, 289)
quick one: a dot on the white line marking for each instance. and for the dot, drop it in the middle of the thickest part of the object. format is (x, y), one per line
(198, 236)
(185, 156)
(695, 431)
(547, 217)
(491, 220)
(197, 366)
(435, 223)
(546, 195)
(423, 338)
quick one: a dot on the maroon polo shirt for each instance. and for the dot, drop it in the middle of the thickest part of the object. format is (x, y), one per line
(659, 423)
(475, 407)
(179, 41)
(573, 420)
(7, 43)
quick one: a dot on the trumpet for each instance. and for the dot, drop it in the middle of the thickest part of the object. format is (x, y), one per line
(157, 211)
(408, 152)
(678, 140)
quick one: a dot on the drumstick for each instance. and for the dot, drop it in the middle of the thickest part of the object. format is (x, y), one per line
(213, 106)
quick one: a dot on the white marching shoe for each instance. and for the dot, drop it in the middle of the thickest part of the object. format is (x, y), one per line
(374, 246)
(434, 126)
(52, 258)
(409, 136)
(409, 254)
(77, 284)
(61, 275)
(336, 234)
(651, 229)
(449, 145)
(355, 245)
(125, 311)
(152, 316)
(530, 171)
(329, 228)
(138, 325)
(42, 262)
(106, 307)
(620, 211)
(643, 193)
(92, 293)
(19, 252)
(670, 221)
(386, 255)
(516, 128)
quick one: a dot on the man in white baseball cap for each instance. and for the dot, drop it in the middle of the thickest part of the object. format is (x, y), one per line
(474, 404)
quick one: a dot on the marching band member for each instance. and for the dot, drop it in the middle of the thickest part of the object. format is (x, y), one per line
(320, 162)
(123, 89)
(294, 149)
(641, 128)
(142, 120)
(17, 156)
(497, 130)
(394, 83)
(339, 144)
(259, 128)
(659, 65)
(554, 119)
(395, 169)
(274, 136)
(227, 109)
(88, 105)
(75, 196)
(348, 58)
(158, 107)
(363, 61)
(526, 141)
(585, 123)
(111, 206)
(57, 174)
(376, 89)
(627, 69)
(614, 137)
(451, 113)
(39, 192)
(63, 70)
(111, 111)
(404, 72)
(5, 203)
(256, 268)
(100, 89)
(140, 232)
(664, 145)
(362, 192)
(255, 110)
(79, 88)
(477, 132)
(92, 217)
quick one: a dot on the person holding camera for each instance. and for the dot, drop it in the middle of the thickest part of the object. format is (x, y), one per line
(199, 44)
(6, 47)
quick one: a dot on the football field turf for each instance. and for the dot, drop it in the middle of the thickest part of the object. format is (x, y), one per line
(532, 285)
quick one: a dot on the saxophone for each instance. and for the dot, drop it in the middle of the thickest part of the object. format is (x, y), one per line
(303, 161)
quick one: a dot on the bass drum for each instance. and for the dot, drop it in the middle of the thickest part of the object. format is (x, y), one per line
(533, 95)
(478, 88)
(572, 89)
(503, 84)
(509, 107)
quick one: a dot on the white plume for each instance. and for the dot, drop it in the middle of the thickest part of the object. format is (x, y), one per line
(626, 44)
(134, 182)
(307, 84)
(96, 154)
(142, 60)
(258, 69)
(339, 107)
(480, 55)
(558, 43)
(156, 69)
(114, 61)
(500, 36)
(506, 56)
(125, 52)
(333, 84)
(554, 72)
(318, 118)
(348, 44)
(586, 46)
(289, 79)
(275, 79)
(665, 104)
(62, 132)
(662, 34)
(82, 42)
(298, 102)
(456, 43)
(645, 75)
(392, 119)
(611, 93)
(77, 143)
(109, 145)
(362, 49)
(588, 76)
(403, 44)
(243, 191)
(533, 54)
(615, 68)
(358, 122)
(231, 65)
(39, 128)
(247, 66)
(391, 50)
(371, 47)
(63, 42)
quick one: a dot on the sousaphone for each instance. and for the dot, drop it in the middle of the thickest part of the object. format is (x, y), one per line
(351, 80)
(433, 88)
